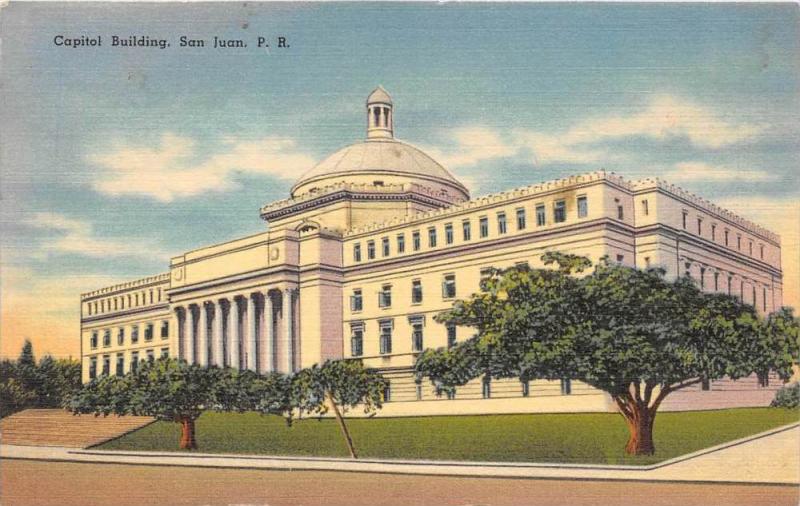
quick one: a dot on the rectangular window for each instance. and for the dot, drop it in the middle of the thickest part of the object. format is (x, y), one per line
(93, 341)
(416, 291)
(387, 392)
(560, 211)
(713, 232)
(356, 252)
(451, 335)
(751, 248)
(526, 388)
(645, 207)
(483, 225)
(92, 368)
(685, 215)
(620, 212)
(521, 218)
(357, 340)
(486, 389)
(699, 226)
(466, 228)
(134, 361)
(583, 207)
(448, 233)
(415, 240)
(764, 299)
(727, 233)
(566, 386)
(121, 336)
(164, 352)
(106, 365)
(107, 337)
(620, 259)
(148, 332)
(151, 355)
(739, 242)
(541, 219)
(702, 277)
(134, 334)
(371, 250)
(432, 237)
(502, 226)
(120, 364)
(356, 301)
(385, 246)
(386, 337)
(401, 243)
(416, 335)
(385, 296)
(449, 286)
(716, 281)
(761, 251)
(164, 330)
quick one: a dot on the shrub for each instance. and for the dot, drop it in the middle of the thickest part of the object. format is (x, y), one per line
(787, 397)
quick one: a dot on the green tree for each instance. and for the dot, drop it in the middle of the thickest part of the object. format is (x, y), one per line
(628, 332)
(339, 385)
(167, 389)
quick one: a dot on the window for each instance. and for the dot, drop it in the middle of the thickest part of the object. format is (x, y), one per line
(387, 392)
(416, 333)
(753, 300)
(415, 240)
(357, 340)
(763, 299)
(451, 335)
(486, 389)
(416, 291)
(716, 281)
(401, 243)
(371, 250)
(526, 388)
(699, 226)
(739, 242)
(702, 277)
(92, 368)
(583, 207)
(385, 296)
(566, 386)
(449, 286)
(645, 207)
(448, 233)
(727, 233)
(432, 237)
(483, 225)
(134, 334)
(148, 332)
(620, 259)
(121, 336)
(502, 226)
(107, 337)
(151, 355)
(120, 364)
(357, 252)
(559, 211)
(761, 251)
(521, 218)
(356, 301)
(620, 212)
(164, 352)
(134, 361)
(713, 232)
(466, 228)
(386, 337)
(164, 329)
(685, 216)
(93, 340)
(106, 365)
(541, 219)
(385, 246)
(751, 248)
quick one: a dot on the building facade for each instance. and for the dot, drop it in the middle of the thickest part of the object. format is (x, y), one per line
(379, 237)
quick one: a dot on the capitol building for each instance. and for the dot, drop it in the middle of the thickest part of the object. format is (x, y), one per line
(379, 237)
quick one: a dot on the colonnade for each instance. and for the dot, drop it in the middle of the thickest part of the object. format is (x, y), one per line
(255, 330)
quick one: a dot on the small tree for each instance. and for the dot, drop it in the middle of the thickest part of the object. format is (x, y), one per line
(340, 385)
(167, 389)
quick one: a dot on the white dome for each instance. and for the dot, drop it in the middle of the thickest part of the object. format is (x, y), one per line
(368, 161)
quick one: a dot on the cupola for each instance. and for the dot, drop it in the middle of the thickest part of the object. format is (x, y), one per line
(379, 115)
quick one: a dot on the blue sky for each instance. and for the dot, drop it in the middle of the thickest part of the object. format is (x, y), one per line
(115, 158)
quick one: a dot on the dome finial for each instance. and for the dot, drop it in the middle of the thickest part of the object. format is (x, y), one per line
(379, 115)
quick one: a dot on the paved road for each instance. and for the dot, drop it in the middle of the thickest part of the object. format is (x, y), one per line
(64, 484)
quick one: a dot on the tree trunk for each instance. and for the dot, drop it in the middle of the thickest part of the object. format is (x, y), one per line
(343, 426)
(640, 426)
(188, 441)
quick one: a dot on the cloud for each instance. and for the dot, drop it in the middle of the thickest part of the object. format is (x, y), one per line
(663, 118)
(71, 236)
(694, 171)
(174, 170)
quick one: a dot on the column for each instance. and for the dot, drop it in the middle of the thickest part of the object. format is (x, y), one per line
(269, 334)
(233, 334)
(202, 335)
(287, 318)
(191, 342)
(180, 318)
(252, 326)
(216, 336)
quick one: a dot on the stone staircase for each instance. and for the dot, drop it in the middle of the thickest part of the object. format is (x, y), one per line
(56, 427)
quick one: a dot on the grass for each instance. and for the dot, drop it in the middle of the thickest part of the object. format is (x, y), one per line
(597, 438)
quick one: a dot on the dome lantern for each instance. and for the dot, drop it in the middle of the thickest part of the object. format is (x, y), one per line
(379, 115)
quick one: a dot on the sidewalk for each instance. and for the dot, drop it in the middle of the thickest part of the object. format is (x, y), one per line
(772, 457)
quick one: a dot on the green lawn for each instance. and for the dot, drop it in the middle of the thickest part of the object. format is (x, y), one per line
(597, 438)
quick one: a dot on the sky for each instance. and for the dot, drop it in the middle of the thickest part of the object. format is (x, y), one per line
(113, 159)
